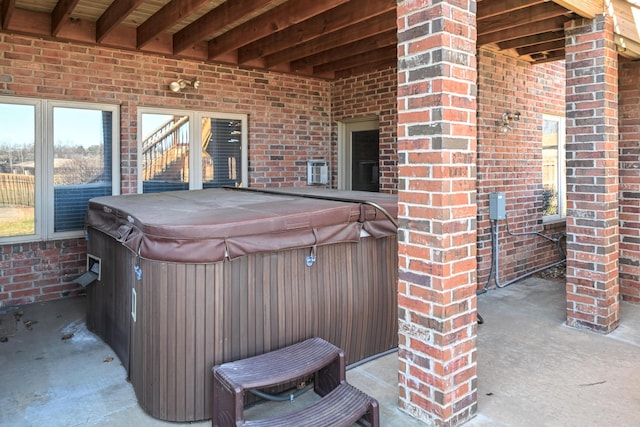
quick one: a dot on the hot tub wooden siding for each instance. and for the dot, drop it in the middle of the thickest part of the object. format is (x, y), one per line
(190, 317)
(109, 299)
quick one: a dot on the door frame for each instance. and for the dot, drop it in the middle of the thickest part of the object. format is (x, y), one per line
(345, 128)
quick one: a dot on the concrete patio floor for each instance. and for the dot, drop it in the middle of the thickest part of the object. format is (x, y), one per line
(532, 369)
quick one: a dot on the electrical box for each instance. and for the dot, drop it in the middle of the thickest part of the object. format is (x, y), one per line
(497, 206)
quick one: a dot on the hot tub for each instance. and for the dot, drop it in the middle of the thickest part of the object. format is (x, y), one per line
(191, 279)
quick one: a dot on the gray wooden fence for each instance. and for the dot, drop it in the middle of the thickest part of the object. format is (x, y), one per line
(16, 190)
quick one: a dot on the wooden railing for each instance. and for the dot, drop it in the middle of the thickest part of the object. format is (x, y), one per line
(16, 190)
(165, 152)
(162, 149)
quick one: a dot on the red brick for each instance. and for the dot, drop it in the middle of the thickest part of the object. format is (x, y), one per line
(18, 286)
(629, 99)
(25, 293)
(510, 85)
(448, 213)
(594, 266)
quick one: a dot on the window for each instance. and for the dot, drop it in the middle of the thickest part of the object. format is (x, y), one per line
(553, 168)
(54, 157)
(187, 150)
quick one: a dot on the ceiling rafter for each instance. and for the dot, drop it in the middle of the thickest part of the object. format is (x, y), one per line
(6, 10)
(169, 15)
(376, 25)
(488, 9)
(366, 68)
(352, 61)
(556, 24)
(338, 18)
(585, 8)
(388, 38)
(531, 40)
(325, 38)
(113, 16)
(542, 47)
(61, 14)
(228, 14)
(537, 13)
(277, 19)
(541, 58)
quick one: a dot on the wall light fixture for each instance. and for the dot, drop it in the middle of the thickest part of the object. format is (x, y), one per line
(504, 125)
(180, 84)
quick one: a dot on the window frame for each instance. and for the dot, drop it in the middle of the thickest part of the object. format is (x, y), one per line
(44, 164)
(561, 171)
(195, 130)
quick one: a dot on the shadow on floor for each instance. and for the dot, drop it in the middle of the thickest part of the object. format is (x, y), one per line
(532, 369)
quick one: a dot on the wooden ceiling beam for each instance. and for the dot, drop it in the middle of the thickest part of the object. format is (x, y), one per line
(585, 8)
(541, 48)
(168, 16)
(549, 57)
(556, 24)
(537, 13)
(534, 39)
(490, 9)
(277, 19)
(382, 54)
(228, 14)
(6, 11)
(389, 38)
(626, 17)
(113, 16)
(376, 25)
(36, 24)
(365, 68)
(318, 26)
(61, 14)
(321, 38)
(627, 47)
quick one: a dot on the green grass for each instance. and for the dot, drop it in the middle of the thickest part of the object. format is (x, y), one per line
(23, 225)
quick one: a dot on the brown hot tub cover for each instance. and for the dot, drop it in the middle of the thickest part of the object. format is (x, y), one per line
(204, 226)
(218, 277)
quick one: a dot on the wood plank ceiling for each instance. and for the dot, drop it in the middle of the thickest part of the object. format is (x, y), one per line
(324, 38)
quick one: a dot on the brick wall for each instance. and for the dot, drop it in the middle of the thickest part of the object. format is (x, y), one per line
(40, 271)
(289, 123)
(368, 95)
(289, 117)
(511, 163)
(592, 175)
(629, 148)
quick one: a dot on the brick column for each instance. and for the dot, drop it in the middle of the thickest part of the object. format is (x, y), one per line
(592, 175)
(629, 181)
(437, 210)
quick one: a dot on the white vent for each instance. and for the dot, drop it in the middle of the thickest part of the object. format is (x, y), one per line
(317, 172)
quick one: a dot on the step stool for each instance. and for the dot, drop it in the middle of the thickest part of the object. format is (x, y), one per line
(341, 404)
